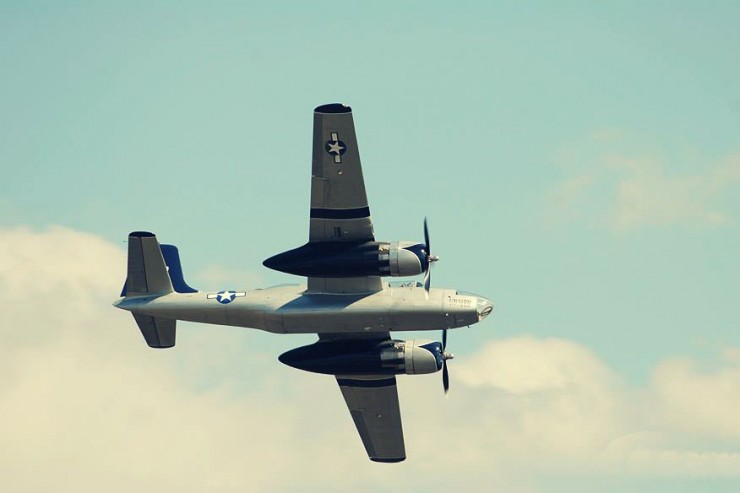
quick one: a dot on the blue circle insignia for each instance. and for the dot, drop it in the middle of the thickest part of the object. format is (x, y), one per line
(225, 297)
(335, 147)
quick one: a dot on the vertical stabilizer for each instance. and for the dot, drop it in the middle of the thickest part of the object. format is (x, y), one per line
(174, 269)
(147, 272)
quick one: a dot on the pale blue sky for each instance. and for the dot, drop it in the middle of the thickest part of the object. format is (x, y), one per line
(578, 163)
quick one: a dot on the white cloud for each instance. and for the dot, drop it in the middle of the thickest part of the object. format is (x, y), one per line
(698, 402)
(556, 400)
(85, 405)
(555, 395)
(624, 191)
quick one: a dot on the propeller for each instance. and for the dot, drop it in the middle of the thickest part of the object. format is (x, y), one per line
(427, 284)
(445, 357)
(430, 259)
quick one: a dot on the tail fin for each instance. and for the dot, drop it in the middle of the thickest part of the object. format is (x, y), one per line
(174, 269)
(147, 271)
(147, 275)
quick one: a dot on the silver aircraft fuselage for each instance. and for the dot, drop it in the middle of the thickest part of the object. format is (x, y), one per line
(292, 310)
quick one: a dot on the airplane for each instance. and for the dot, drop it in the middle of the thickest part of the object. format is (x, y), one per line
(345, 302)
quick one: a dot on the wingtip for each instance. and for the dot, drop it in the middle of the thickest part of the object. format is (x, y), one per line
(388, 460)
(333, 108)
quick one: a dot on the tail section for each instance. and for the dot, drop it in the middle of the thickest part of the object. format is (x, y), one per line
(158, 332)
(147, 272)
(153, 270)
(174, 269)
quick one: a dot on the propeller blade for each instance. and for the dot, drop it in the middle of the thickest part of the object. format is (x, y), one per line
(430, 258)
(445, 378)
(446, 356)
(426, 237)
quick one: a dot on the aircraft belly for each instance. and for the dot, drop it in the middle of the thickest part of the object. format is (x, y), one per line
(382, 312)
(197, 308)
(290, 310)
(328, 321)
(254, 316)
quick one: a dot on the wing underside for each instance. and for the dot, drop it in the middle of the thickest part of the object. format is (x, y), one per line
(373, 405)
(340, 212)
(339, 206)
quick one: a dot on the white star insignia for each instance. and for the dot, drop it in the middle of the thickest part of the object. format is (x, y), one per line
(335, 147)
(226, 295)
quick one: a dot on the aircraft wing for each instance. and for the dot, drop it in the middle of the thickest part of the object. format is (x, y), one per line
(339, 208)
(373, 404)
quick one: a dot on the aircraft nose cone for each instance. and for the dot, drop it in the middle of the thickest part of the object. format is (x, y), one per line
(484, 308)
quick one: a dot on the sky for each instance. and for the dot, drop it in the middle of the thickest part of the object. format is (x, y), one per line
(579, 164)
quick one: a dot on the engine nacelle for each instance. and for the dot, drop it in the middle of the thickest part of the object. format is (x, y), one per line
(352, 259)
(358, 357)
(405, 258)
(422, 356)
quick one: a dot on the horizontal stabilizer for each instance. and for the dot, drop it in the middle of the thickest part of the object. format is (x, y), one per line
(158, 332)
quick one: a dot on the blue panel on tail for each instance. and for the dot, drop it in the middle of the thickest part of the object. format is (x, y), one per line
(174, 269)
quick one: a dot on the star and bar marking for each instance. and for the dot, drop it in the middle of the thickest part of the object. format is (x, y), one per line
(336, 147)
(225, 297)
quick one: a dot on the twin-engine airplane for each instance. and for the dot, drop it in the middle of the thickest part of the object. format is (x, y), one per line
(345, 302)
